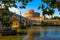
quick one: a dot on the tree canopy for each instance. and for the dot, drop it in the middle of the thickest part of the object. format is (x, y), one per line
(5, 14)
(52, 3)
(12, 3)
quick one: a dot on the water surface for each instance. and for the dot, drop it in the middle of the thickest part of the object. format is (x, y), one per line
(50, 33)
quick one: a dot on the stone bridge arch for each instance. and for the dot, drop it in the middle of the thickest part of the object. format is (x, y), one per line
(24, 22)
(15, 23)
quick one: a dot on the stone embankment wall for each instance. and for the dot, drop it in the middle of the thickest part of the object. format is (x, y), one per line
(54, 21)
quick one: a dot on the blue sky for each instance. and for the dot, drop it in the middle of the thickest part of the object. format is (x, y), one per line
(34, 5)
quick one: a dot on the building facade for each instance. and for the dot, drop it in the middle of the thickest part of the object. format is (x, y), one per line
(35, 16)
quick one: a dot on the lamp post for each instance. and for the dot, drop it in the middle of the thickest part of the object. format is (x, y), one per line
(21, 24)
(20, 20)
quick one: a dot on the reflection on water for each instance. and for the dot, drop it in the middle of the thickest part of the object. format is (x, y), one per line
(48, 33)
(51, 32)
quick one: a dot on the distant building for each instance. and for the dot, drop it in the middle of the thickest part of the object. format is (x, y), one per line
(18, 21)
(33, 15)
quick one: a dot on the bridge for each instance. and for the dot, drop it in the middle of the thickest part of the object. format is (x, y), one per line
(19, 21)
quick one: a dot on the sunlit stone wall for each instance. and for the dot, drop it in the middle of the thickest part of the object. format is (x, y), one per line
(31, 14)
(15, 23)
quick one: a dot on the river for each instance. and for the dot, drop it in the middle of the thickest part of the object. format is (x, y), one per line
(45, 33)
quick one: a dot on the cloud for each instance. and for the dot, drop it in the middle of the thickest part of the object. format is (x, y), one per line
(13, 9)
(16, 10)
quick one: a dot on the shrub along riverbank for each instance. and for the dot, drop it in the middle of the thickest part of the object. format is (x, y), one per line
(46, 25)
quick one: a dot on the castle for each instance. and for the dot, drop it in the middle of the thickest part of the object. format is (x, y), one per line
(33, 16)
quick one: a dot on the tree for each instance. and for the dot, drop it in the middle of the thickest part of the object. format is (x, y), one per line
(43, 10)
(53, 3)
(12, 3)
(51, 12)
(48, 12)
(5, 17)
(5, 13)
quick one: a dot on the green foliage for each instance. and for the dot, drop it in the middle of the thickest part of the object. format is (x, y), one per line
(39, 7)
(43, 9)
(48, 12)
(47, 1)
(52, 3)
(12, 3)
(51, 11)
(22, 7)
(44, 12)
(5, 14)
(42, 6)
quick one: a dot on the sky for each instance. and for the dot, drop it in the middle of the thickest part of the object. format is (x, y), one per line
(32, 6)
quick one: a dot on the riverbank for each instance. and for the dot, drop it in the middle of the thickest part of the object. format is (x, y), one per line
(11, 37)
(46, 25)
